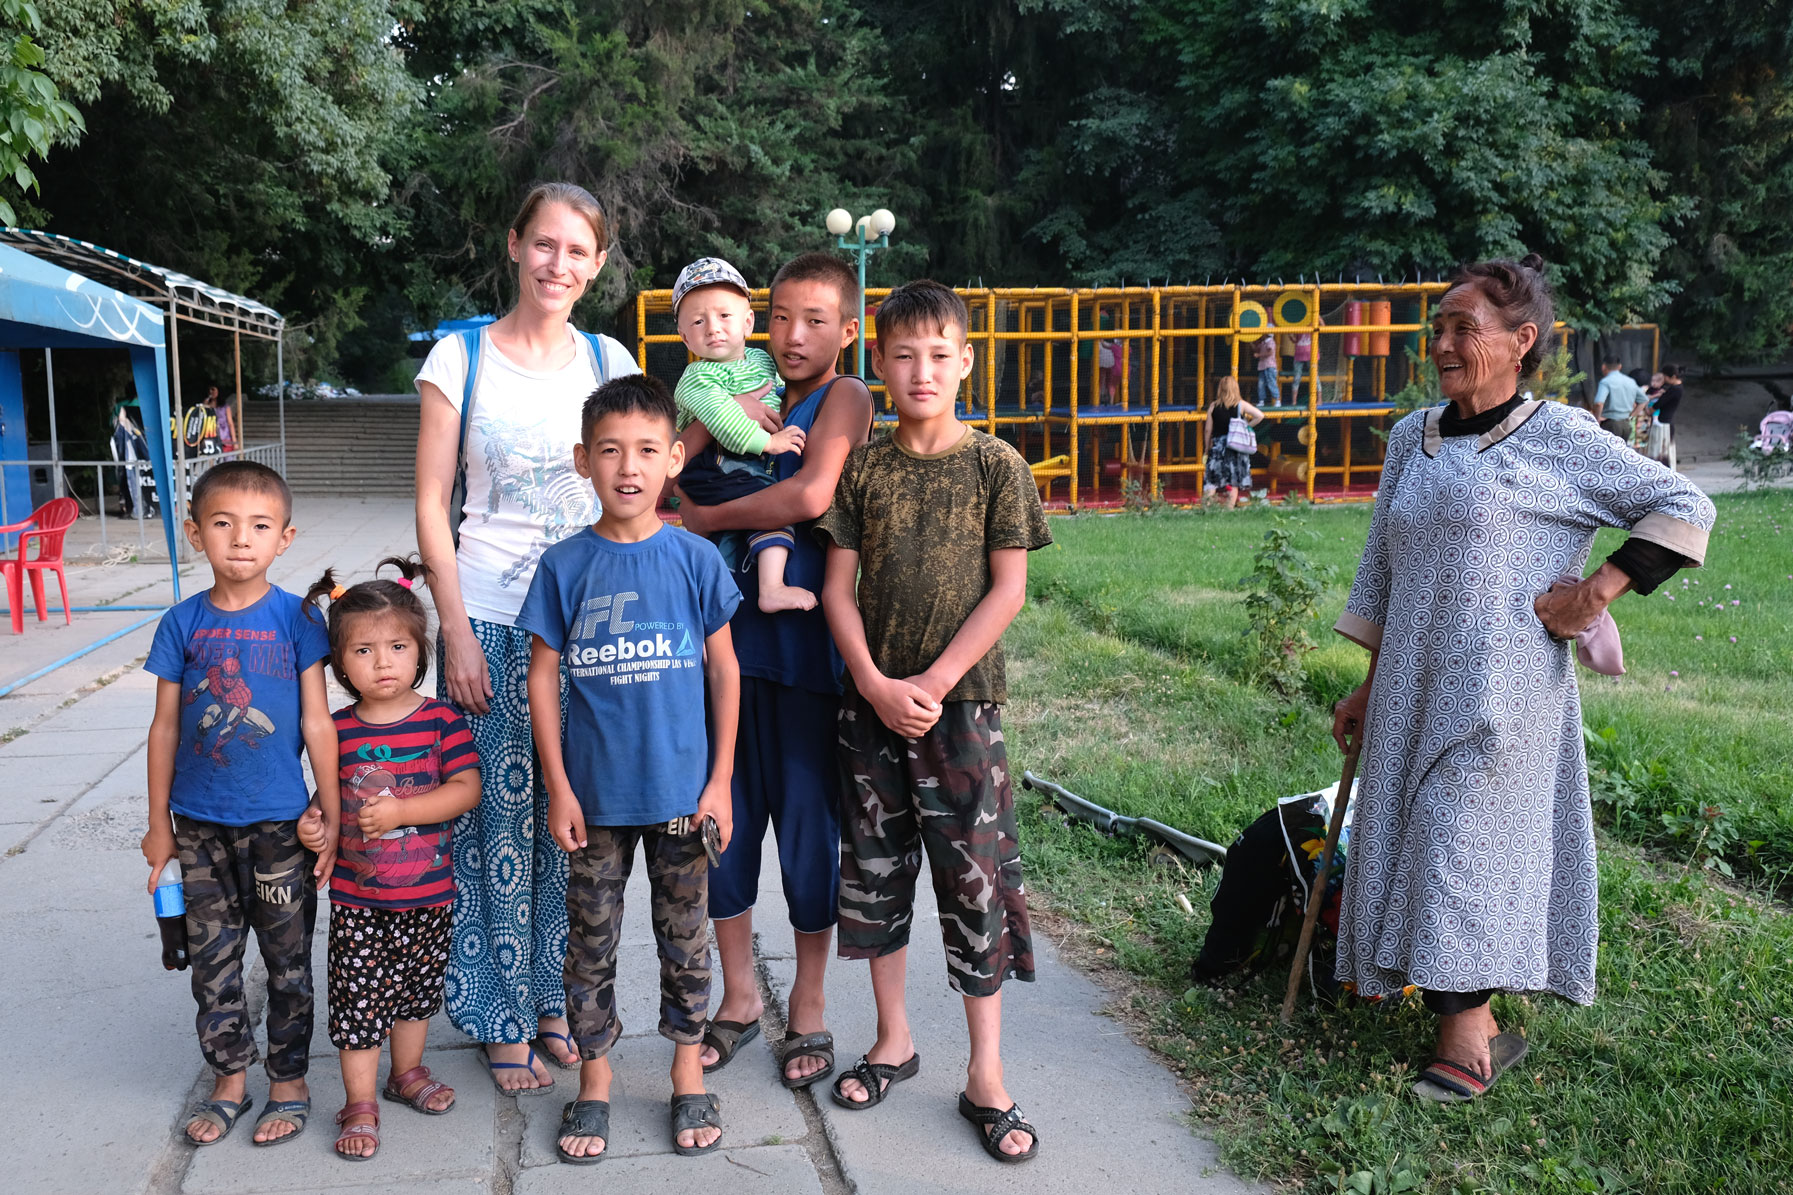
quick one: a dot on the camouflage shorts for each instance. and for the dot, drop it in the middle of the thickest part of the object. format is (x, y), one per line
(947, 792)
(239, 878)
(678, 881)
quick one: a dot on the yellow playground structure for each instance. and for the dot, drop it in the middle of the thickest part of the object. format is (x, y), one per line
(1105, 391)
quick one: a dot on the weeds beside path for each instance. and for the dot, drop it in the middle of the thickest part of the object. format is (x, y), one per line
(1127, 675)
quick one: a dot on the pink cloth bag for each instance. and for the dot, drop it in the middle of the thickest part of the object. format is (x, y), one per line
(1598, 648)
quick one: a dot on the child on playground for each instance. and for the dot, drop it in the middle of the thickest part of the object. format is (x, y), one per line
(637, 611)
(711, 303)
(239, 691)
(406, 769)
(927, 565)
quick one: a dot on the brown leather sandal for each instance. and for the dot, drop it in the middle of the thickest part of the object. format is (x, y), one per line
(423, 1087)
(354, 1118)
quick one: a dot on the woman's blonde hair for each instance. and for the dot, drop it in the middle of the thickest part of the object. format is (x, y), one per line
(571, 195)
(1228, 394)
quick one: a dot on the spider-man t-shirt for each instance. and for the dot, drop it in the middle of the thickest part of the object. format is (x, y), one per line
(238, 672)
(407, 867)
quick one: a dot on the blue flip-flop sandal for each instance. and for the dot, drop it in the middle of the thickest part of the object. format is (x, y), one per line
(565, 1039)
(495, 1067)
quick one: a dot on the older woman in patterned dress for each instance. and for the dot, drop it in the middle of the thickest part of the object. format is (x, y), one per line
(1472, 856)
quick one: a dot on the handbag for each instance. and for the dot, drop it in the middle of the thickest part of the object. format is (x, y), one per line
(1241, 436)
(471, 341)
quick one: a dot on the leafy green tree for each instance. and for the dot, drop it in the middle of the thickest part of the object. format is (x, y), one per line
(1718, 111)
(1400, 136)
(703, 126)
(250, 144)
(35, 114)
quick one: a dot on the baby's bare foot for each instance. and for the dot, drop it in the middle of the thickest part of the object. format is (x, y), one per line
(775, 599)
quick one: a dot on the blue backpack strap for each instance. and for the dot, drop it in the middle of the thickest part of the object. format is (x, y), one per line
(470, 339)
(599, 365)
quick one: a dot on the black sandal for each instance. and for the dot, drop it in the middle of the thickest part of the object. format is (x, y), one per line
(877, 1078)
(993, 1124)
(726, 1037)
(806, 1045)
(584, 1118)
(696, 1112)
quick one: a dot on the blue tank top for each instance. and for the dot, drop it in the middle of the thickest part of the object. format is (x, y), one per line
(793, 648)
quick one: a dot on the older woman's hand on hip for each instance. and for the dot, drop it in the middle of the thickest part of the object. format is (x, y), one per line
(1568, 609)
(464, 672)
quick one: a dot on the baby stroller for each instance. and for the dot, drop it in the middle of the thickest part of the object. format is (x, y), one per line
(1775, 434)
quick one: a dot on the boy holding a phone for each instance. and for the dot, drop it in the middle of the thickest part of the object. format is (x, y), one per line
(635, 613)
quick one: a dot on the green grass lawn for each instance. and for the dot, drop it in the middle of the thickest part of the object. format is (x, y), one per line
(1130, 684)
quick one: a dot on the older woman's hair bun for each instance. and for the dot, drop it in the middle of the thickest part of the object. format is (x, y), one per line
(1519, 294)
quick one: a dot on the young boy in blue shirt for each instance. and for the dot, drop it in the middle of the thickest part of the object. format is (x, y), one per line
(239, 690)
(634, 613)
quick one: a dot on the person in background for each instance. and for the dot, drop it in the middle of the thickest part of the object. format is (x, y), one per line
(226, 420)
(1668, 401)
(1229, 471)
(1615, 398)
(1269, 384)
(1302, 347)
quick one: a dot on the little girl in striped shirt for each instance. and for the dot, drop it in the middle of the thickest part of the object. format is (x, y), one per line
(408, 769)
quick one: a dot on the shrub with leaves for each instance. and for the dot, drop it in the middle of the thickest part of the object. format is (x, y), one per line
(1285, 586)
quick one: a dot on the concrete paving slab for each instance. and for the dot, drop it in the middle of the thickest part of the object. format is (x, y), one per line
(769, 1170)
(1109, 1114)
(755, 1109)
(112, 743)
(414, 1148)
(91, 1015)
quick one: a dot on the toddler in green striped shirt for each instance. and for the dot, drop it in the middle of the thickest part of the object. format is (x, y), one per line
(728, 457)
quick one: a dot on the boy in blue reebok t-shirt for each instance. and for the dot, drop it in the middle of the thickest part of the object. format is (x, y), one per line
(637, 613)
(239, 691)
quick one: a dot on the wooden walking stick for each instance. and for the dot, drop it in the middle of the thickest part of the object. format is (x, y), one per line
(1316, 895)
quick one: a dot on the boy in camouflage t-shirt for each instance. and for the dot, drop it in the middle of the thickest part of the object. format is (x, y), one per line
(927, 565)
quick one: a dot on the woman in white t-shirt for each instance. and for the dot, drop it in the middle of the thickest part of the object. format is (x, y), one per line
(533, 374)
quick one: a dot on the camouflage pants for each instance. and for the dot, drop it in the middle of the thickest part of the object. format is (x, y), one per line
(947, 791)
(239, 878)
(678, 880)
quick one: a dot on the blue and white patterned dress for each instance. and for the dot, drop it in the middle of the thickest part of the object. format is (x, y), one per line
(1472, 850)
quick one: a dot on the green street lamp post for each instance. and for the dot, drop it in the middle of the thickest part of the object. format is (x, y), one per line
(870, 234)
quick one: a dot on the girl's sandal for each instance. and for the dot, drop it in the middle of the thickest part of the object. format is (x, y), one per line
(421, 1087)
(354, 1119)
(993, 1124)
(877, 1078)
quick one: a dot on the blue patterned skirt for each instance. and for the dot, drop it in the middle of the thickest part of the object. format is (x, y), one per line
(510, 908)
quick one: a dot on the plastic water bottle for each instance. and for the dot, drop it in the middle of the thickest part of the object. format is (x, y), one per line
(171, 916)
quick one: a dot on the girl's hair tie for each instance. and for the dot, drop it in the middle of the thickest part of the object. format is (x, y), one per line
(405, 581)
(336, 594)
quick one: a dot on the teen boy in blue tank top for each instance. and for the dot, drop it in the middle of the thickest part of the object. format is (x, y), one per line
(785, 769)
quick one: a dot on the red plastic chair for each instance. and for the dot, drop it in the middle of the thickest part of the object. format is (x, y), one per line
(50, 523)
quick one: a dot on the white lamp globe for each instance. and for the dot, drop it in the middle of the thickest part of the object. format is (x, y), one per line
(840, 220)
(883, 222)
(864, 225)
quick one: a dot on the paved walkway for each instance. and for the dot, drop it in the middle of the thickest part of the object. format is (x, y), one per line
(100, 1039)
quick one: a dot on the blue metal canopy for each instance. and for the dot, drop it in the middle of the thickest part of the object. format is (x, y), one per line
(43, 305)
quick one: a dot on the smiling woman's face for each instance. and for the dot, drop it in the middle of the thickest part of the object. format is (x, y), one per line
(1477, 357)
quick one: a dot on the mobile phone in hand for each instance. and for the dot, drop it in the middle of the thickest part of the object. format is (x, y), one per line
(712, 837)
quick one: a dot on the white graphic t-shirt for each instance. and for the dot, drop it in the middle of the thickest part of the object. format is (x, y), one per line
(523, 493)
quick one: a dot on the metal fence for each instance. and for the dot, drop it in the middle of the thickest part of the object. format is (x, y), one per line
(132, 488)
